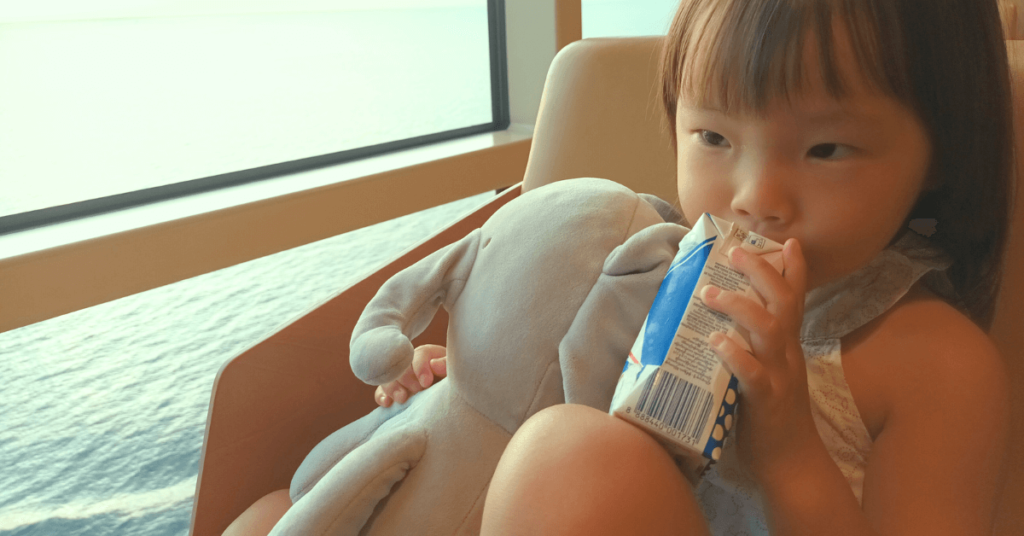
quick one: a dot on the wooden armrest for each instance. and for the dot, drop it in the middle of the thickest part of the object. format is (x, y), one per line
(274, 402)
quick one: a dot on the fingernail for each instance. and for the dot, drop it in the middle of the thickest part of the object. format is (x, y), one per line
(424, 379)
(399, 396)
(710, 292)
(736, 253)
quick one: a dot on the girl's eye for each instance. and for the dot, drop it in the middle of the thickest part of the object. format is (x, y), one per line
(828, 150)
(711, 138)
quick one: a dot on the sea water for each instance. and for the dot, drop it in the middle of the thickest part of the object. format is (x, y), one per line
(102, 411)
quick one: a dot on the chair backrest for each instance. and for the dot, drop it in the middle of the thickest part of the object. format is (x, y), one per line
(600, 116)
(1008, 15)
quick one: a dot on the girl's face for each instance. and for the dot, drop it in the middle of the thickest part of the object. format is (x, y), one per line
(840, 177)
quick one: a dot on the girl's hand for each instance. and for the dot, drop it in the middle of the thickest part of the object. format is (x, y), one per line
(775, 428)
(428, 361)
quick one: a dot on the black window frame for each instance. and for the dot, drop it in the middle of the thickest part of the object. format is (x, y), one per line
(500, 120)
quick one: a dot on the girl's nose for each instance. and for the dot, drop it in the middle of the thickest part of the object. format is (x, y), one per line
(762, 193)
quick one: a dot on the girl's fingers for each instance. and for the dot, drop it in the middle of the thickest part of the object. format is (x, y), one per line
(397, 390)
(796, 273)
(382, 399)
(394, 391)
(761, 324)
(749, 371)
(422, 366)
(408, 385)
(428, 361)
(439, 367)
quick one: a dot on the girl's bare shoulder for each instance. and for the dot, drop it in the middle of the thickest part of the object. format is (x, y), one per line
(928, 339)
(941, 389)
(921, 342)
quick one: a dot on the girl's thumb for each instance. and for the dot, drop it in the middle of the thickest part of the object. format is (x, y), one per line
(439, 366)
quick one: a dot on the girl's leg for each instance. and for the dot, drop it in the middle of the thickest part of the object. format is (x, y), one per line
(571, 469)
(260, 518)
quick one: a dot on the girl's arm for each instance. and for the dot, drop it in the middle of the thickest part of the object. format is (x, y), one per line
(936, 467)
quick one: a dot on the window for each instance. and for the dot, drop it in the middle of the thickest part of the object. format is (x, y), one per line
(113, 103)
(627, 18)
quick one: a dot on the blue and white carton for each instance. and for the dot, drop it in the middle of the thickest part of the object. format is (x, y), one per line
(673, 385)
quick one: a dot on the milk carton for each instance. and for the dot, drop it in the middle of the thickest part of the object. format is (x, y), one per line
(673, 384)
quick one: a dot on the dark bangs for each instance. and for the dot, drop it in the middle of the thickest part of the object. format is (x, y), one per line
(739, 56)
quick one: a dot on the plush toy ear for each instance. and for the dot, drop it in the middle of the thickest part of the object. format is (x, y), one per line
(666, 210)
(381, 347)
(597, 344)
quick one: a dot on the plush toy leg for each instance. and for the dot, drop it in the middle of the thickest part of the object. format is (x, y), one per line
(326, 454)
(343, 500)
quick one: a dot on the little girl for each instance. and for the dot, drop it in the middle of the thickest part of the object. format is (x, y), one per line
(873, 401)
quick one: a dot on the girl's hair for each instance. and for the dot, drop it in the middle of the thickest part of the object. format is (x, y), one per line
(944, 60)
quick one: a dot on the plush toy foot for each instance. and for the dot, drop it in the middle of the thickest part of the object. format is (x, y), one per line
(343, 500)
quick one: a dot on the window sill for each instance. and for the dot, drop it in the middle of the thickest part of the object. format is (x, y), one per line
(57, 269)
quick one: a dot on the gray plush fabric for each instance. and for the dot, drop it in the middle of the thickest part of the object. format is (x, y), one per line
(667, 210)
(545, 301)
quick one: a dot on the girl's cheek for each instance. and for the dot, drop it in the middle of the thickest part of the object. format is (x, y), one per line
(701, 181)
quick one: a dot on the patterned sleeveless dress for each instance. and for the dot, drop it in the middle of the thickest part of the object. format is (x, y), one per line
(730, 504)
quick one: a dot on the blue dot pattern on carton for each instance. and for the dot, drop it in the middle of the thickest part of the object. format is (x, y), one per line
(726, 418)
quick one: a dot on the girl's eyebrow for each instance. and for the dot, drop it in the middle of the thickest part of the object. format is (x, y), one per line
(831, 115)
(837, 115)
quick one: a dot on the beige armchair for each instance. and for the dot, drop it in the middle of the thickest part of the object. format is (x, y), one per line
(600, 117)
(1008, 14)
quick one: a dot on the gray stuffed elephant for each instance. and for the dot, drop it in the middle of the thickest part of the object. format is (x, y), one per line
(544, 303)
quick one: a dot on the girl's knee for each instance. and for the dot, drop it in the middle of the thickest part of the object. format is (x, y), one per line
(260, 518)
(565, 426)
(567, 432)
(572, 467)
(595, 439)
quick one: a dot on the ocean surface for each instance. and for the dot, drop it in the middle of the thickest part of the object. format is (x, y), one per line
(102, 411)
